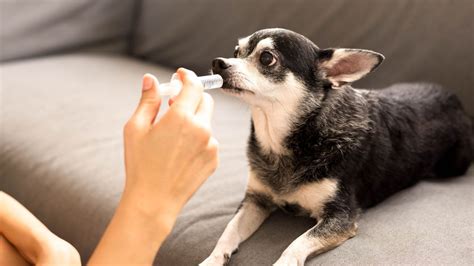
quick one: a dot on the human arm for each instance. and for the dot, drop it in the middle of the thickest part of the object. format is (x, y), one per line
(165, 161)
(23, 232)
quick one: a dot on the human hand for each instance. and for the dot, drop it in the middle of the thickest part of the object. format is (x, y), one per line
(168, 160)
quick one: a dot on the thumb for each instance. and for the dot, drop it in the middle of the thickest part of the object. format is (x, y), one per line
(150, 101)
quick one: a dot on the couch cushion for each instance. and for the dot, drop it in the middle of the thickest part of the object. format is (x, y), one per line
(36, 27)
(429, 224)
(427, 40)
(61, 156)
(61, 139)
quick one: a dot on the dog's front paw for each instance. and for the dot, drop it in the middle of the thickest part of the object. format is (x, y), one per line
(216, 260)
(288, 261)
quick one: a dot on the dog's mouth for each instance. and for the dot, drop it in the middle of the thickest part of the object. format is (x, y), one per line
(230, 88)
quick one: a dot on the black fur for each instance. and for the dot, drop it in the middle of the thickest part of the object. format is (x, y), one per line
(373, 142)
(262, 201)
(296, 54)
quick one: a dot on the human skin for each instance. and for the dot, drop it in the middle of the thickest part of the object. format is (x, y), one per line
(165, 161)
(24, 239)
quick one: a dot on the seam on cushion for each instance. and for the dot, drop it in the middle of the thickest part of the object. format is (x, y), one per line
(136, 13)
(69, 49)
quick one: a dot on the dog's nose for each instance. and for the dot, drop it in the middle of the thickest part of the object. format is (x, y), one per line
(219, 64)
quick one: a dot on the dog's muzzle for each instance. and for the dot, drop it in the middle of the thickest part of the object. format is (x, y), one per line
(219, 65)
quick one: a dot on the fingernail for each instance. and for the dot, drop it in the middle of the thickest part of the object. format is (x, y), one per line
(147, 82)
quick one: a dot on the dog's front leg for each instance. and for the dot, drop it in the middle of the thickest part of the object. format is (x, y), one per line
(246, 221)
(327, 234)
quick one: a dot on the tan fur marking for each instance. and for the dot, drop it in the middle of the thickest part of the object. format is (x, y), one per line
(243, 43)
(307, 246)
(311, 197)
(335, 240)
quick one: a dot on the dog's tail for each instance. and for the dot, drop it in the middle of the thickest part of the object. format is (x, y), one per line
(459, 157)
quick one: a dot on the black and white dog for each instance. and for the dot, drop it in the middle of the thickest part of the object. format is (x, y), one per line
(321, 148)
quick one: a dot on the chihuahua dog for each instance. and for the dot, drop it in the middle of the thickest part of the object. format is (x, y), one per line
(321, 148)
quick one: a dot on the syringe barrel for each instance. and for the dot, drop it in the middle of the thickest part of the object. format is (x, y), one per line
(211, 81)
(174, 86)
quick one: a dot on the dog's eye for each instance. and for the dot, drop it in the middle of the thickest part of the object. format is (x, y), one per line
(236, 51)
(267, 59)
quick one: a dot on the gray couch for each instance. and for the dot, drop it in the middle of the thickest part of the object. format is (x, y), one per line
(70, 77)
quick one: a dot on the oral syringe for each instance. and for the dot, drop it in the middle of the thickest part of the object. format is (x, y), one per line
(174, 86)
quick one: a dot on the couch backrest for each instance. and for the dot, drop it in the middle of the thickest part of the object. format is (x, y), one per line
(38, 27)
(429, 40)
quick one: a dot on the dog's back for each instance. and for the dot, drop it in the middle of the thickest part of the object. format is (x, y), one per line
(421, 131)
(321, 148)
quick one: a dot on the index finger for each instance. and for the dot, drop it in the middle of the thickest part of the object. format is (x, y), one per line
(190, 95)
(205, 109)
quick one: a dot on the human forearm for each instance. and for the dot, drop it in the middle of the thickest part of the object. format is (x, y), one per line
(134, 234)
(9, 254)
(21, 228)
(30, 237)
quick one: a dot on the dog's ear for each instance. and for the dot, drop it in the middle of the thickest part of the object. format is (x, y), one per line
(342, 66)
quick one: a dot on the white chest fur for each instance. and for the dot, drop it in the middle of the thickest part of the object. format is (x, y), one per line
(274, 115)
(310, 197)
(271, 127)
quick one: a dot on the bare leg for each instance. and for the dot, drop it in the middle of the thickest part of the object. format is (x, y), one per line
(248, 218)
(327, 234)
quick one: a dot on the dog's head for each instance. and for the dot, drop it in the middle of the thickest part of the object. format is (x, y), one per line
(274, 64)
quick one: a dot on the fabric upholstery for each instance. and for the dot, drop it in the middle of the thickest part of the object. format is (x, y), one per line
(429, 40)
(61, 156)
(61, 141)
(37, 27)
